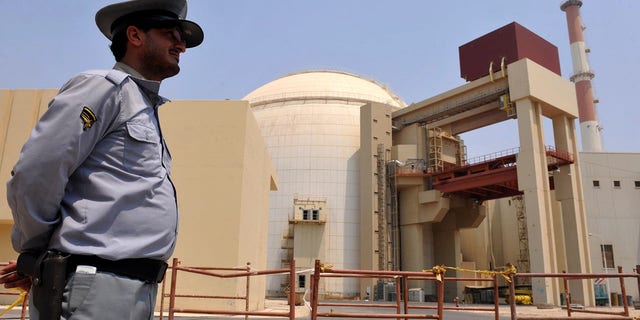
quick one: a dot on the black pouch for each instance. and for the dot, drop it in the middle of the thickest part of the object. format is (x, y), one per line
(48, 271)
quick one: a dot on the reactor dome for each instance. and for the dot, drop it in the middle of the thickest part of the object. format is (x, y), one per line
(310, 122)
(323, 85)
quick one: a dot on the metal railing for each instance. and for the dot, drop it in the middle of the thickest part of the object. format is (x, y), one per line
(245, 272)
(575, 276)
(401, 307)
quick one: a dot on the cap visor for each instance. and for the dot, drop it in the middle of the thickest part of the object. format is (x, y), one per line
(193, 34)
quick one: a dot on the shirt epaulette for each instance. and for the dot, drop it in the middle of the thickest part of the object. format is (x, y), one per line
(114, 76)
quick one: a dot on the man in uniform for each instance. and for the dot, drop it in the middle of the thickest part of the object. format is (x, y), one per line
(92, 199)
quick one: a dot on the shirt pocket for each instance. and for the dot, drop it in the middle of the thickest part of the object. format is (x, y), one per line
(143, 150)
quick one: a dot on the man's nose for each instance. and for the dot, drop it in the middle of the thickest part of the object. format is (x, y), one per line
(182, 44)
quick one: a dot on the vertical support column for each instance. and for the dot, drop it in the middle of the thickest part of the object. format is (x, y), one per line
(413, 257)
(533, 181)
(568, 187)
(375, 129)
(446, 243)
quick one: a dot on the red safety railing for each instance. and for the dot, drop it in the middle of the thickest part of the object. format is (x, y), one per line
(575, 276)
(496, 297)
(246, 272)
(401, 307)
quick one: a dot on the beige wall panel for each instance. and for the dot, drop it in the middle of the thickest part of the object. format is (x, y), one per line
(47, 96)
(6, 97)
(223, 176)
(258, 179)
(402, 152)
(23, 113)
(375, 129)
(308, 245)
(368, 188)
(528, 79)
(408, 135)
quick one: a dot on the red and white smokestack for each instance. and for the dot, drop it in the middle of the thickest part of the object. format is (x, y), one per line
(582, 75)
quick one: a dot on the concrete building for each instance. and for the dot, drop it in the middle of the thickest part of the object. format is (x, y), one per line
(611, 184)
(311, 125)
(437, 201)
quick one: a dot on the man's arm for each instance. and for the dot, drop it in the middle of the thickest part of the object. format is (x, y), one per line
(62, 139)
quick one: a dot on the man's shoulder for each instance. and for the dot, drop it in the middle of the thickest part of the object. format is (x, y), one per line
(112, 75)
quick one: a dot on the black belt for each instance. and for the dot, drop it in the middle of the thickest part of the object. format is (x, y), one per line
(147, 270)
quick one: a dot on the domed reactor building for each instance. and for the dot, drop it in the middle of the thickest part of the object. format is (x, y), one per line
(311, 124)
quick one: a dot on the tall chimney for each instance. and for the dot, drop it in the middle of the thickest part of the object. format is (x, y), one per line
(582, 75)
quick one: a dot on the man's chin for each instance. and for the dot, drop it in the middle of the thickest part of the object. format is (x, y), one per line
(170, 72)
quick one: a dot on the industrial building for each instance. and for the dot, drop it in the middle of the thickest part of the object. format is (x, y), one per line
(333, 166)
(311, 125)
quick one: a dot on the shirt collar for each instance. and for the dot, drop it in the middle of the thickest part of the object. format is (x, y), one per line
(151, 85)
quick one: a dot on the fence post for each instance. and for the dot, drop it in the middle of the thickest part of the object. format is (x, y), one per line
(637, 278)
(314, 293)
(567, 294)
(25, 302)
(172, 294)
(292, 290)
(496, 297)
(624, 294)
(247, 291)
(405, 294)
(440, 295)
(398, 285)
(162, 296)
(512, 296)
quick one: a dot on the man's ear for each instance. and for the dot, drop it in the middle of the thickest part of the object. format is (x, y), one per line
(135, 36)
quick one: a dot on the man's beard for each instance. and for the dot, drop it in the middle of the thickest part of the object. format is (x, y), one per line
(156, 65)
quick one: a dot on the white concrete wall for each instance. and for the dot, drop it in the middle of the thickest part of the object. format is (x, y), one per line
(314, 147)
(613, 213)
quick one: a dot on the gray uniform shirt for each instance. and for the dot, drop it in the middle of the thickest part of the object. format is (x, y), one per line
(93, 178)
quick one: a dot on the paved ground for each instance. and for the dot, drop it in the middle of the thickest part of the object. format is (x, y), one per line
(303, 312)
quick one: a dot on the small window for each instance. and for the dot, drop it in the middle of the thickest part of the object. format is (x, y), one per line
(616, 183)
(305, 214)
(316, 214)
(302, 281)
(596, 183)
(637, 184)
(607, 256)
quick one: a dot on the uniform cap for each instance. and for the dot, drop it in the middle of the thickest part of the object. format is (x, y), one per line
(153, 13)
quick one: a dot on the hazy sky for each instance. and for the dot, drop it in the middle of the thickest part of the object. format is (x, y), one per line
(409, 46)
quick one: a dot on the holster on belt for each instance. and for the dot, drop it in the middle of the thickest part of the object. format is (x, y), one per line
(48, 271)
